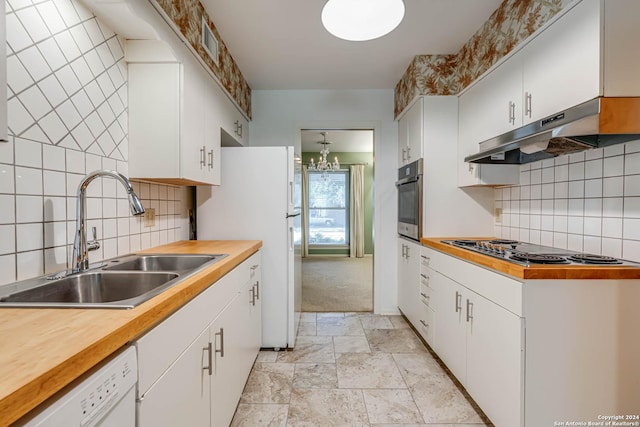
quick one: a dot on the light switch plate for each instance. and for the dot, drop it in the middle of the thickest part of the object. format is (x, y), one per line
(149, 217)
(498, 215)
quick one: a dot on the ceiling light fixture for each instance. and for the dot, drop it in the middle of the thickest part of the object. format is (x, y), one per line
(360, 20)
(323, 164)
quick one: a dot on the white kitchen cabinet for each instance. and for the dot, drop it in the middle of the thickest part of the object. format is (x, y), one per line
(489, 108)
(204, 351)
(3, 77)
(167, 124)
(233, 124)
(426, 316)
(410, 134)
(179, 397)
(479, 340)
(408, 279)
(561, 67)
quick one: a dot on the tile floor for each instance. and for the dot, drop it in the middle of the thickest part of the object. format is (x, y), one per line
(351, 369)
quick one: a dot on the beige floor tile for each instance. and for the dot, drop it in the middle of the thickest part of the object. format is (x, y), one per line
(351, 344)
(339, 326)
(324, 408)
(440, 401)
(269, 383)
(315, 375)
(260, 415)
(391, 406)
(373, 321)
(308, 317)
(411, 425)
(399, 322)
(414, 366)
(309, 350)
(265, 356)
(368, 370)
(325, 315)
(307, 329)
(394, 341)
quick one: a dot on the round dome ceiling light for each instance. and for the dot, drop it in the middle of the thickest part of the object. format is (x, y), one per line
(360, 20)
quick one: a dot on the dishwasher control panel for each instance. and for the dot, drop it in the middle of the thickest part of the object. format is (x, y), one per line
(106, 394)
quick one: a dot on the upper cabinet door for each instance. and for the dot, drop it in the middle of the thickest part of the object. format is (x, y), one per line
(562, 65)
(410, 128)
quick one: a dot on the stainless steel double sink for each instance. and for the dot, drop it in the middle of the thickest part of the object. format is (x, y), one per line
(122, 282)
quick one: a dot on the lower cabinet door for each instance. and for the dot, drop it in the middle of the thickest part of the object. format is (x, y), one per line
(494, 360)
(181, 396)
(227, 382)
(450, 339)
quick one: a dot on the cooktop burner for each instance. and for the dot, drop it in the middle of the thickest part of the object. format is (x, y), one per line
(594, 259)
(539, 258)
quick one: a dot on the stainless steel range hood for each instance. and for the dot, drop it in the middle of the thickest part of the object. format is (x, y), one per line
(597, 123)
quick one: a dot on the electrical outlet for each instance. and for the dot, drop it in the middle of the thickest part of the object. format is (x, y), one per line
(149, 217)
(497, 213)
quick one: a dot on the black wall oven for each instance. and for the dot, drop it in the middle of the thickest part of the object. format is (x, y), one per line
(410, 200)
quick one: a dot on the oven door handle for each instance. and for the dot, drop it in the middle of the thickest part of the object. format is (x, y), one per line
(408, 180)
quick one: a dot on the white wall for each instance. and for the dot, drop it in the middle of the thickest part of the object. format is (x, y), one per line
(587, 202)
(278, 117)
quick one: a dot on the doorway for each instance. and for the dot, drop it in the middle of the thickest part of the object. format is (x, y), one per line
(337, 263)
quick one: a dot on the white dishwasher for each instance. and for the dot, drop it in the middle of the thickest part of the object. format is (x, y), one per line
(105, 398)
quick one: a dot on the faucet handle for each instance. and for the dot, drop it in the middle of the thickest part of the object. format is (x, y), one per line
(94, 244)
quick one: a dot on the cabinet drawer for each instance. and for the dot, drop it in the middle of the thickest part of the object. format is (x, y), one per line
(426, 295)
(502, 290)
(426, 324)
(162, 345)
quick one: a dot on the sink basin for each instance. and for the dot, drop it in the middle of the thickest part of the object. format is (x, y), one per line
(91, 289)
(162, 262)
(122, 282)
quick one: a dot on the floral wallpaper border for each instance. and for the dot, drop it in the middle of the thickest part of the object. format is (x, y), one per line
(510, 24)
(187, 15)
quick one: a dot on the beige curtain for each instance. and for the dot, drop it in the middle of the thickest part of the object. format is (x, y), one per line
(305, 211)
(356, 212)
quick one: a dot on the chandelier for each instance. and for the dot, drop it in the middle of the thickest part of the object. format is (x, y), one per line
(323, 164)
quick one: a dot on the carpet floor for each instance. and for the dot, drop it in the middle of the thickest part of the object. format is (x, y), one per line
(332, 284)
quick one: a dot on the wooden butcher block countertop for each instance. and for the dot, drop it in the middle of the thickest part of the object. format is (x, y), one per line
(534, 272)
(43, 350)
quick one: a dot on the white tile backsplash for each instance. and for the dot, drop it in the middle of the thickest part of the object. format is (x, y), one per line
(67, 116)
(594, 205)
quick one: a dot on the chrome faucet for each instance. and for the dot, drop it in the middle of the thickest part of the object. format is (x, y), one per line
(81, 247)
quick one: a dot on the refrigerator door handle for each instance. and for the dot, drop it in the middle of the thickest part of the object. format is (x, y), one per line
(293, 215)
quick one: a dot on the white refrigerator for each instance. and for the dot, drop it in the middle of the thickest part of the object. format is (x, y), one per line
(260, 198)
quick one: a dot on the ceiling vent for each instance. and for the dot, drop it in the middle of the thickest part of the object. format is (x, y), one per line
(209, 41)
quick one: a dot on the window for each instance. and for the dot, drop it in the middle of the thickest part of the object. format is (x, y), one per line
(329, 208)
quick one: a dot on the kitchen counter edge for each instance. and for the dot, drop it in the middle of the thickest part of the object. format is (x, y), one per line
(50, 348)
(534, 272)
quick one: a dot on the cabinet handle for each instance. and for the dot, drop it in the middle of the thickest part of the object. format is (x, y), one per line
(512, 112)
(404, 154)
(403, 248)
(469, 310)
(240, 130)
(252, 300)
(527, 104)
(210, 159)
(202, 160)
(408, 256)
(408, 153)
(209, 367)
(458, 301)
(425, 296)
(425, 324)
(257, 285)
(221, 334)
